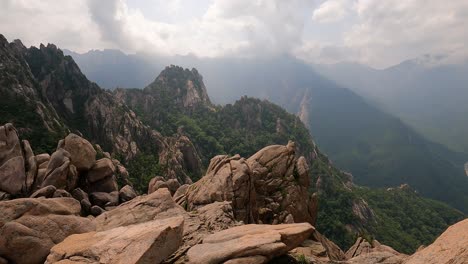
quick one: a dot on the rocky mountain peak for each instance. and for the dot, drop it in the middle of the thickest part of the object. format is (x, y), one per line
(185, 86)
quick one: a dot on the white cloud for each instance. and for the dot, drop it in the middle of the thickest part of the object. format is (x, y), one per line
(49, 21)
(374, 32)
(330, 11)
(390, 31)
(227, 28)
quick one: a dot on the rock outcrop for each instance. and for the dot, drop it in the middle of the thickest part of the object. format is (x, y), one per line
(249, 243)
(226, 179)
(450, 248)
(281, 183)
(149, 242)
(271, 187)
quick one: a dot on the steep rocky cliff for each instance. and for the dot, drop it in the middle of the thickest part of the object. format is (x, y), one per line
(63, 99)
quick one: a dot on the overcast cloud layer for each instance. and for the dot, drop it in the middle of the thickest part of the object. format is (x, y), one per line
(378, 33)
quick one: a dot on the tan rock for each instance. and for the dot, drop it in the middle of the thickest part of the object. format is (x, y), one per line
(449, 248)
(157, 205)
(149, 242)
(381, 257)
(31, 165)
(41, 158)
(29, 227)
(82, 153)
(282, 186)
(58, 171)
(248, 241)
(226, 179)
(180, 195)
(47, 192)
(127, 193)
(101, 169)
(364, 251)
(12, 165)
(107, 184)
(334, 252)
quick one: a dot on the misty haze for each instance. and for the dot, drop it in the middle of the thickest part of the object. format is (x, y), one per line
(233, 131)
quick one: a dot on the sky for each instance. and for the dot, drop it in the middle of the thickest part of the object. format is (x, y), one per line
(377, 33)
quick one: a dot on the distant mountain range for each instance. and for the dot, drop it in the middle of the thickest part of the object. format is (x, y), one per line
(428, 96)
(376, 147)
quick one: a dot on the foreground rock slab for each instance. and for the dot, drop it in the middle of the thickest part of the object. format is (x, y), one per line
(149, 242)
(451, 247)
(157, 205)
(30, 227)
(249, 243)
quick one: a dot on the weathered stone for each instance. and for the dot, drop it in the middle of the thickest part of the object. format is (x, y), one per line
(108, 185)
(381, 257)
(79, 194)
(57, 170)
(12, 166)
(173, 185)
(47, 192)
(96, 210)
(226, 179)
(450, 247)
(334, 252)
(4, 196)
(31, 165)
(126, 194)
(282, 186)
(157, 205)
(248, 260)
(179, 195)
(30, 227)
(310, 248)
(85, 206)
(247, 241)
(364, 251)
(149, 242)
(82, 153)
(158, 182)
(61, 193)
(41, 158)
(43, 165)
(101, 169)
(103, 199)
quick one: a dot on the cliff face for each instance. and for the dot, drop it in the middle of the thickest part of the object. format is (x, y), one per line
(63, 99)
(21, 99)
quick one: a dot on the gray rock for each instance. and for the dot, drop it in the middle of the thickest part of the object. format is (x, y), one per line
(96, 210)
(85, 206)
(79, 194)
